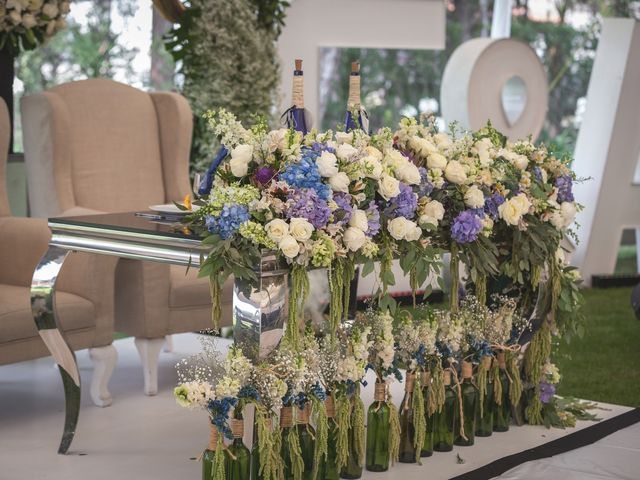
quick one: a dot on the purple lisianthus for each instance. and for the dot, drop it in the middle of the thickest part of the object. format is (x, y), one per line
(564, 184)
(305, 203)
(426, 187)
(228, 222)
(466, 227)
(373, 218)
(547, 391)
(264, 175)
(404, 204)
(491, 204)
(343, 214)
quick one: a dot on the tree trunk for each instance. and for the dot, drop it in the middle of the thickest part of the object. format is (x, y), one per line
(7, 74)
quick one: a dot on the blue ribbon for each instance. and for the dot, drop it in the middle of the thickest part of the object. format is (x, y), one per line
(362, 122)
(294, 118)
(207, 182)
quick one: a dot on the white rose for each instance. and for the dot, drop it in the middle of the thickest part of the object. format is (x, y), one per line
(414, 232)
(434, 209)
(443, 140)
(485, 158)
(240, 158)
(374, 152)
(64, 6)
(354, 238)
(36, 4)
(346, 151)
(512, 210)
(300, 228)
(388, 187)
(340, 182)
(455, 172)
(474, 198)
(50, 10)
(422, 145)
(277, 229)
(15, 4)
(327, 164)
(523, 203)
(344, 137)
(563, 217)
(409, 174)
(371, 167)
(436, 160)
(29, 21)
(359, 220)
(396, 159)
(398, 227)
(15, 17)
(289, 246)
(278, 138)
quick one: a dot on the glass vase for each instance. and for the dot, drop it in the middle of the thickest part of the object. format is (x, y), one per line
(407, 452)
(328, 468)
(307, 439)
(378, 416)
(427, 446)
(238, 462)
(353, 469)
(286, 425)
(208, 457)
(445, 419)
(502, 412)
(469, 396)
(484, 416)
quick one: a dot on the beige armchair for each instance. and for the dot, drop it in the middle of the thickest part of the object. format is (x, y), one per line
(101, 146)
(84, 307)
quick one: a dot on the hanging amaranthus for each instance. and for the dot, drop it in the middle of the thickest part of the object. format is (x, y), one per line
(218, 471)
(394, 431)
(322, 434)
(343, 424)
(216, 310)
(297, 298)
(419, 419)
(455, 277)
(481, 379)
(436, 394)
(357, 423)
(535, 357)
(271, 464)
(295, 454)
(515, 385)
(497, 384)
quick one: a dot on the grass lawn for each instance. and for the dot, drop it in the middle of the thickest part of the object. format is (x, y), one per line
(604, 365)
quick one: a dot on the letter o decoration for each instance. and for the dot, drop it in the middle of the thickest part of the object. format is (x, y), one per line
(501, 80)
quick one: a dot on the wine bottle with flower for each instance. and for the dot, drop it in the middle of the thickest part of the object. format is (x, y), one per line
(484, 415)
(444, 419)
(238, 461)
(306, 439)
(295, 115)
(209, 458)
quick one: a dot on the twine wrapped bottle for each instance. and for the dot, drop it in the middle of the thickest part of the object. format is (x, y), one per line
(353, 119)
(328, 469)
(238, 462)
(378, 426)
(307, 439)
(407, 427)
(484, 416)
(208, 457)
(427, 446)
(445, 419)
(469, 398)
(501, 404)
(295, 115)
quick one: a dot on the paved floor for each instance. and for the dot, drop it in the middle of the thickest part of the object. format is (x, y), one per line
(141, 437)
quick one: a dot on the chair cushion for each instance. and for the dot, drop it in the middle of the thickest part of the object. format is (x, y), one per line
(16, 320)
(187, 290)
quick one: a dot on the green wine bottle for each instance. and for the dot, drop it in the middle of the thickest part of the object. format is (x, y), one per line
(427, 446)
(469, 394)
(445, 419)
(378, 416)
(484, 416)
(208, 457)
(502, 410)
(328, 468)
(286, 424)
(353, 469)
(407, 452)
(307, 439)
(238, 462)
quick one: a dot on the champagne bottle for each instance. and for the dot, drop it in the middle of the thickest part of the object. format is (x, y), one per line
(407, 453)
(307, 438)
(208, 457)
(484, 417)
(502, 411)
(469, 398)
(378, 416)
(445, 419)
(238, 462)
(353, 101)
(425, 383)
(328, 469)
(286, 425)
(295, 114)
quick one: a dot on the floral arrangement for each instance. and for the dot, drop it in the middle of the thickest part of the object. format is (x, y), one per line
(24, 24)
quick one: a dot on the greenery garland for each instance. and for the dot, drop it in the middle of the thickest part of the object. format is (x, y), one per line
(297, 298)
(419, 419)
(322, 434)
(343, 424)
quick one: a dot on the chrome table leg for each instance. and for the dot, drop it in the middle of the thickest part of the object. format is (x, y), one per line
(44, 314)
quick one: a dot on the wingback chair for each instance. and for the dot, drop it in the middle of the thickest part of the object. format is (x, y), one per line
(100, 146)
(84, 302)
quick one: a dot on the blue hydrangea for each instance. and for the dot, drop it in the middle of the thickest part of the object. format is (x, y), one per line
(227, 223)
(404, 204)
(491, 204)
(564, 184)
(466, 227)
(305, 174)
(426, 187)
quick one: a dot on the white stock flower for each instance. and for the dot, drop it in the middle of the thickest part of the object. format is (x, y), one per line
(354, 238)
(436, 160)
(300, 229)
(344, 137)
(346, 151)
(240, 158)
(277, 229)
(408, 173)
(455, 173)
(327, 164)
(473, 197)
(289, 246)
(340, 182)
(398, 227)
(227, 387)
(388, 187)
(359, 220)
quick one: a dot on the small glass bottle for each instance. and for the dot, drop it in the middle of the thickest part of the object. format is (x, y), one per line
(353, 469)
(307, 439)
(208, 457)
(238, 462)
(407, 452)
(444, 420)
(286, 424)
(469, 394)
(378, 416)
(484, 416)
(328, 469)
(425, 384)
(502, 412)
